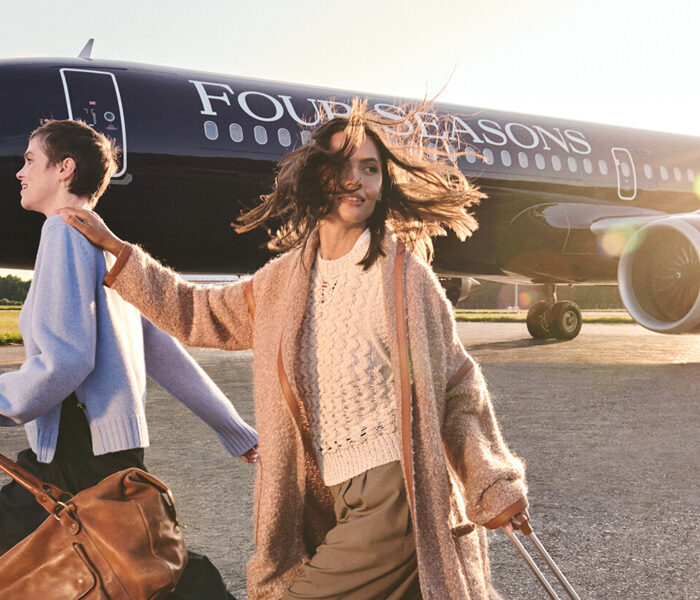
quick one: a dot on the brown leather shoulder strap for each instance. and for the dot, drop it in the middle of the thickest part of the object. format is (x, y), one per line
(404, 368)
(461, 373)
(249, 298)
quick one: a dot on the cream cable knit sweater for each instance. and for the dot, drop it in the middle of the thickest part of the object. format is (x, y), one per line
(346, 378)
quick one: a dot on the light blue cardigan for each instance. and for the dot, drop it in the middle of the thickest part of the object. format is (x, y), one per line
(80, 336)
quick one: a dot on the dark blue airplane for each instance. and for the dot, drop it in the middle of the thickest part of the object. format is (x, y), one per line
(568, 202)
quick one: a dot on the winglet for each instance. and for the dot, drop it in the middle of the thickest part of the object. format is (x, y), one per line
(87, 50)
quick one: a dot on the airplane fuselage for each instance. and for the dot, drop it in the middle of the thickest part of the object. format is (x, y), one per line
(200, 146)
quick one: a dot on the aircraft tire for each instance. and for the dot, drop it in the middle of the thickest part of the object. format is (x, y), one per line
(537, 321)
(565, 320)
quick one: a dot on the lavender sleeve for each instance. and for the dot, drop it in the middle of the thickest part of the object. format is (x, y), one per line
(171, 367)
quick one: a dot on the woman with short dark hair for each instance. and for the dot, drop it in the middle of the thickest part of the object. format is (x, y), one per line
(81, 391)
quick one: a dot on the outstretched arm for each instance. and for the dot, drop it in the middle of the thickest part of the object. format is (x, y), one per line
(169, 365)
(211, 316)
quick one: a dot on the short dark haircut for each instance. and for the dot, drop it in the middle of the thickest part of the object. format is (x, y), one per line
(96, 156)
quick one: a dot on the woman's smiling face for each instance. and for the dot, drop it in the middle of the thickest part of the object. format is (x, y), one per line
(360, 181)
(39, 180)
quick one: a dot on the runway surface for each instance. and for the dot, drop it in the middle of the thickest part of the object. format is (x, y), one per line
(608, 424)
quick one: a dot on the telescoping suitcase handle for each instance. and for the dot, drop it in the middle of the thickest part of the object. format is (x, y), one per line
(527, 531)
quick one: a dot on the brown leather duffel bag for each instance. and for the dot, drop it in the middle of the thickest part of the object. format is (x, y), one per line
(118, 540)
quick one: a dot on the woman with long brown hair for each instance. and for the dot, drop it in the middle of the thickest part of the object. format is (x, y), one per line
(380, 456)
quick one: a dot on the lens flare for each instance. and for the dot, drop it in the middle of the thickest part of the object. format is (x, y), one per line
(525, 299)
(616, 240)
(612, 243)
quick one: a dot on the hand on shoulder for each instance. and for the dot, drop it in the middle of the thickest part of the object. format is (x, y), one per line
(91, 225)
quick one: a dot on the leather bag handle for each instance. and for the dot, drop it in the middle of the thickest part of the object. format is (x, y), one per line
(46, 494)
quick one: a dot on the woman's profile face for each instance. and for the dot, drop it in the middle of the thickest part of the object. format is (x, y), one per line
(361, 183)
(39, 180)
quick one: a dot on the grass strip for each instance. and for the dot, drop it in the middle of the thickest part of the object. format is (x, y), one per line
(611, 317)
(9, 330)
(10, 338)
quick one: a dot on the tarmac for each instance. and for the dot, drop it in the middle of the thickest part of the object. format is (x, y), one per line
(608, 425)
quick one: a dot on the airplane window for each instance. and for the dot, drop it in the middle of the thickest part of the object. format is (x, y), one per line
(236, 132)
(691, 175)
(677, 173)
(539, 161)
(625, 169)
(556, 163)
(260, 134)
(471, 158)
(522, 159)
(284, 137)
(664, 172)
(488, 156)
(573, 167)
(587, 165)
(603, 167)
(505, 158)
(305, 135)
(648, 173)
(211, 130)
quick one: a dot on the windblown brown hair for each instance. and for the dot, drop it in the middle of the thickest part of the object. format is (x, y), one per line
(95, 155)
(422, 193)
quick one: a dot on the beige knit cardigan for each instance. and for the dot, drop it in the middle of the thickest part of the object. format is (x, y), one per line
(463, 472)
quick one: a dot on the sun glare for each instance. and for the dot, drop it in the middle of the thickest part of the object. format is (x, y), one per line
(615, 240)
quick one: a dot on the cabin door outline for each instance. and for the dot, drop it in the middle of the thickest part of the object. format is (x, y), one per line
(116, 123)
(626, 173)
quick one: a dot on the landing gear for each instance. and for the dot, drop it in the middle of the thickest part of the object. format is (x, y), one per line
(537, 321)
(565, 320)
(551, 319)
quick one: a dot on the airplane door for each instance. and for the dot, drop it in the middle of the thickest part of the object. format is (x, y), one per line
(93, 97)
(626, 175)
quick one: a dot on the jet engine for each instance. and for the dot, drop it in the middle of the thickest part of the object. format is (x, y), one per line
(659, 274)
(458, 288)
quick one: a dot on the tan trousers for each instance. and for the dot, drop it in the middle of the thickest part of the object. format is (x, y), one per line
(371, 552)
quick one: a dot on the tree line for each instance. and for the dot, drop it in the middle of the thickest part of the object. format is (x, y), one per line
(13, 290)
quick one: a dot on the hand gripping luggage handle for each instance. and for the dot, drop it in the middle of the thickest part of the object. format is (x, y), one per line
(46, 494)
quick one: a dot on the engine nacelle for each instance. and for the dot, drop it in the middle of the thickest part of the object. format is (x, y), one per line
(659, 275)
(458, 288)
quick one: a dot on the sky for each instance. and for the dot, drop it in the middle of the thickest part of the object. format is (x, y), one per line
(622, 62)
